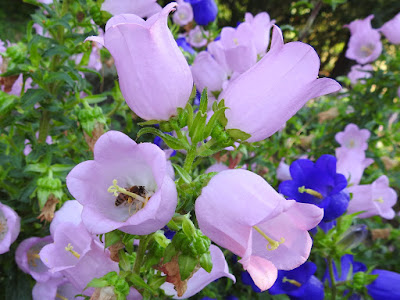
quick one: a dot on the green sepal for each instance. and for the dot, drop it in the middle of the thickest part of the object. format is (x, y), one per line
(204, 101)
(128, 240)
(156, 281)
(187, 264)
(47, 186)
(206, 262)
(222, 119)
(94, 99)
(188, 228)
(160, 238)
(183, 173)
(139, 283)
(148, 123)
(172, 142)
(213, 121)
(237, 134)
(112, 238)
(196, 131)
(124, 261)
(173, 226)
(190, 114)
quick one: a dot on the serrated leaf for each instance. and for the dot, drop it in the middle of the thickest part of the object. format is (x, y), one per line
(206, 262)
(188, 228)
(182, 173)
(59, 76)
(213, 121)
(32, 96)
(61, 168)
(190, 113)
(39, 168)
(186, 265)
(93, 99)
(97, 283)
(172, 142)
(196, 131)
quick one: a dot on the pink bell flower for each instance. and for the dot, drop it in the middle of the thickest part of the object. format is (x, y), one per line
(241, 212)
(10, 224)
(283, 171)
(207, 73)
(391, 30)
(351, 163)
(353, 138)
(262, 99)
(375, 199)
(183, 14)
(55, 288)
(155, 85)
(216, 49)
(240, 50)
(261, 25)
(201, 278)
(127, 186)
(359, 73)
(142, 8)
(365, 44)
(198, 37)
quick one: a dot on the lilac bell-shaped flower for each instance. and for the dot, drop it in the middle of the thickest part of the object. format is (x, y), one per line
(360, 25)
(352, 164)
(262, 99)
(155, 85)
(127, 186)
(183, 14)
(198, 37)
(201, 278)
(142, 8)
(353, 138)
(241, 212)
(391, 30)
(58, 288)
(359, 73)
(375, 199)
(261, 25)
(10, 224)
(28, 259)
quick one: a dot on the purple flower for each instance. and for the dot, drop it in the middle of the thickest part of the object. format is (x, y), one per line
(318, 183)
(201, 278)
(261, 25)
(347, 263)
(55, 288)
(267, 231)
(359, 73)
(275, 88)
(205, 11)
(155, 85)
(385, 286)
(10, 224)
(28, 260)
(28, 147)
(142, 8)
(198, 37)
(127, 186)
(283, 171)
(353, 138)
(183, 14)
(351, 164)
(70, 212)
(207, 73)
(375, 199)
(365, 42)
(185, 45)
(299, 283)
(240, 50)
(391, 30)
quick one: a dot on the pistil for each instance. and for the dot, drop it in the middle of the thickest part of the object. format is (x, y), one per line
(115, 189)
(272, 243)
(70, 248)
(311, 192)
(380, 200)
(292, 281)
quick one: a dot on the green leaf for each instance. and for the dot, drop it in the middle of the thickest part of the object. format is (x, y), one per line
(59, 76)
(196, 131)
(150, 122)
(93, 99)
(190, 114)
(203, 101)
(97, 283)
(128, 240)
(206, 262)
(61, 168)
(182, 173)
(188, 228)
(213, 121)
(112, 237)
(187, 264)
(39, 168)
(33, 96)
(172, 142)
(237, 134)
(139, 283)
(170, 252)
(7, 102)
(124, 261)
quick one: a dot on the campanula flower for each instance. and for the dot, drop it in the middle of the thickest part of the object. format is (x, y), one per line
(183, 14)
(201, 278)
(351, 164)
(155, 85)
(28, 260)
(241, 212)
(275, 88)
(299, 283)
(318, 183)
(385, 286)
(391, 30)
(205, 11)
(375, 199)
(10, 224)
(198, 37)
(261, 25)
(365, 42)
(359, 73)
(55, 288)
(142, 8)
(127, 186)
(353, 138)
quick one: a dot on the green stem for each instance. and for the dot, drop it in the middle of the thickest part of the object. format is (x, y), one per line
(140, 253)
(191, 155)
(44, 126)
(332, 276)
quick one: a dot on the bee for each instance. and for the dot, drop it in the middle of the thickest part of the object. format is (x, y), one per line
(122, 198)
